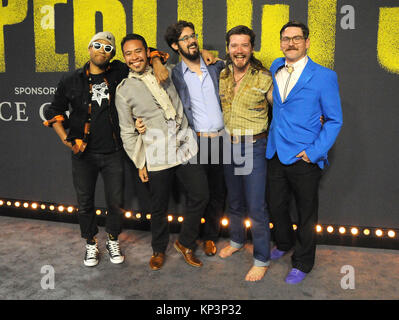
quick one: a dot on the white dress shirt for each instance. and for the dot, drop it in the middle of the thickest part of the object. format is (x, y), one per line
(282, 76)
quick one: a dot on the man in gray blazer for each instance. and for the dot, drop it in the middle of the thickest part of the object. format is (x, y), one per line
(162, 152)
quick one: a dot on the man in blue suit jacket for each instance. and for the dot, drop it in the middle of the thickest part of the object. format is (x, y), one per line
(298, 145)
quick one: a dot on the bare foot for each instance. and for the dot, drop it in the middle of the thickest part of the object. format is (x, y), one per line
(255, 273)
(227, 251)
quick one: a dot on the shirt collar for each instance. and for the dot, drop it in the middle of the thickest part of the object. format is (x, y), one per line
(250, 69)
(300, 63)
(202, 63)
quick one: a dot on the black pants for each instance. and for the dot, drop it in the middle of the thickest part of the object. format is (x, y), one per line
(193, 179)
(85, 172)
(302, 180)
(210, 157)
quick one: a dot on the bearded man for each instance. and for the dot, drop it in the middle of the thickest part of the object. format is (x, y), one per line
(198, 86)
(245, 93)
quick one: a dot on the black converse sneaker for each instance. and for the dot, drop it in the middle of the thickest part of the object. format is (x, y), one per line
(91, 256)
(115, 254)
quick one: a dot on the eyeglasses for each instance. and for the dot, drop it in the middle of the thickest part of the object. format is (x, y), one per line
(186, 38)
(107, 47)
(295, 39)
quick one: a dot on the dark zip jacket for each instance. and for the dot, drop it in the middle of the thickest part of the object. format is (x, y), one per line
(73, 94)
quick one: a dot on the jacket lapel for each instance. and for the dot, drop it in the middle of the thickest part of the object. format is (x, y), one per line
(306, 75)
(273, 70)
(185, 97)
(214, 77)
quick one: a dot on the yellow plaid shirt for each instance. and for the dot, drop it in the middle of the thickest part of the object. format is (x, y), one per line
(246, 112)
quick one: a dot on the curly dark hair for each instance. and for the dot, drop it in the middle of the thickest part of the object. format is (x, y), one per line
(174, 31)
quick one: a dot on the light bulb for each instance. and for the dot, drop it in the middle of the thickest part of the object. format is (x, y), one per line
(391, 234)
(225, 222)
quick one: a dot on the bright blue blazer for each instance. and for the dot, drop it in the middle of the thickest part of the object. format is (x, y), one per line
(296, 121)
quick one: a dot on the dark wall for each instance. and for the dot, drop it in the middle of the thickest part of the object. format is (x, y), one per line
(359, 42)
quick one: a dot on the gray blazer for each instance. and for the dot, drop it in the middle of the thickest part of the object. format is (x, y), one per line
(166, 143)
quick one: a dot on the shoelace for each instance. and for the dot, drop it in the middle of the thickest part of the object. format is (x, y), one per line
(91, 251)
(114, 248)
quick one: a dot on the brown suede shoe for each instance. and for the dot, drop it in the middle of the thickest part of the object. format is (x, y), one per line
(188, 255)
(210, 248)
(157, 260)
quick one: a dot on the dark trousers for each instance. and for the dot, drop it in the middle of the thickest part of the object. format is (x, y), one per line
(210, 157)
(302, 180)
(85, 171)
(193, 180)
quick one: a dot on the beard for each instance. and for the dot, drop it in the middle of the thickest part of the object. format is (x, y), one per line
(188, 55)
(243, 65)
(100, 63)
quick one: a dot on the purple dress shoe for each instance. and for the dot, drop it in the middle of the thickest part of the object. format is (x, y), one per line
(295, 276)
(276, 254)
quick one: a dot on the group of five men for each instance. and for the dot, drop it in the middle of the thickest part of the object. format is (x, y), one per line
(213, 128)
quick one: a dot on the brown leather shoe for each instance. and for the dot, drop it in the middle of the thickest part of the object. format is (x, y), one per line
(188, 255)
(157, 260)
(210, 248)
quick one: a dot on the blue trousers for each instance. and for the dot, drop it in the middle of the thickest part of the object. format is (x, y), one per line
(246, 185)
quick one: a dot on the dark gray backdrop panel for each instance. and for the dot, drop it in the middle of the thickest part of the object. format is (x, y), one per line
(360, 187)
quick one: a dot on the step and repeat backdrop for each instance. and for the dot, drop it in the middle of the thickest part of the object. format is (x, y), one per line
(42, 39)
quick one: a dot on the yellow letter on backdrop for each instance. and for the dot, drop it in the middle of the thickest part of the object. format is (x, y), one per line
(145, 20)
(192, 11)
(388, 39)
(321, 22)
(239, 12)
(273, 18)
(114, 20)
(14, 12)
(47, 60)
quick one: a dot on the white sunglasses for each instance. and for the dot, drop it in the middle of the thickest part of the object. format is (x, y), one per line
(107, 47)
